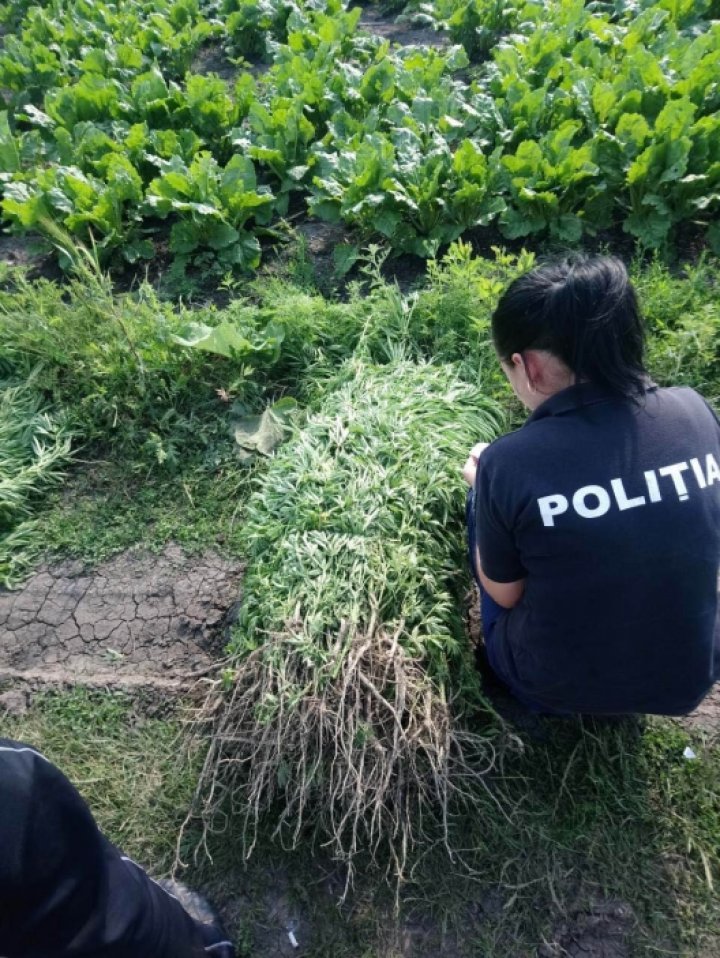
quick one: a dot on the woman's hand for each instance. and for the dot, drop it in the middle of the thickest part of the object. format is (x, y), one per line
(470, 467)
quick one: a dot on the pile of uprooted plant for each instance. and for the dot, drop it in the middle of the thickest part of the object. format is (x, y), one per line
(351, 671)
(34, 447)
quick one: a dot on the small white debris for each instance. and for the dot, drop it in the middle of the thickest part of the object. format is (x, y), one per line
(689, 754)
(293, 940)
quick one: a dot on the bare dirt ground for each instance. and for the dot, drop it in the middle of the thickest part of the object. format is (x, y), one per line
(136, 620)
(386, 26)
(211, 58)
(19, 251)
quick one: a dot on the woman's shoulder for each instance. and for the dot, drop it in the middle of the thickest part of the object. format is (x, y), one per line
(512, 447)
(684, 397)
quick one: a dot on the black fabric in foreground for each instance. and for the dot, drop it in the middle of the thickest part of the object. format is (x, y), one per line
(66, 891)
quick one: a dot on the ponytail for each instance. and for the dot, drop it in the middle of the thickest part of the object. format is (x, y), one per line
(584, 310)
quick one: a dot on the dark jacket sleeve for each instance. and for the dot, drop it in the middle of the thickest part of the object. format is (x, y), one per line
(499, 554)
(65, 890)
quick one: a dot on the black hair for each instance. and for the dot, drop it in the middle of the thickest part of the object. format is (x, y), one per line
(585, 311)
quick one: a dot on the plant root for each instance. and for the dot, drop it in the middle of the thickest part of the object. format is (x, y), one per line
(359, 744)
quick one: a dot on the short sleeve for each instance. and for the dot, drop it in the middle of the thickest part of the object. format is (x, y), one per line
(710, 410)
(498, 552)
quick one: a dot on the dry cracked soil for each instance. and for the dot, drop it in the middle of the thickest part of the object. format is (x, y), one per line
(136, 620)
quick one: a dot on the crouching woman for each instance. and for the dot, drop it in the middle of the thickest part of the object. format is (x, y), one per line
(594, 529)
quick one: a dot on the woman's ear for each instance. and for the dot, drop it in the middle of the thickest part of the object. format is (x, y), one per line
(524, 369)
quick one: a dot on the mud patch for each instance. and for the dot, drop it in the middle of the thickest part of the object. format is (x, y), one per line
(322, 238)
(15, 250)
(290, 908)
(602, 932)
(133, 620)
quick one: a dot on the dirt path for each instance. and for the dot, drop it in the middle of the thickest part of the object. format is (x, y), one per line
(137, 619)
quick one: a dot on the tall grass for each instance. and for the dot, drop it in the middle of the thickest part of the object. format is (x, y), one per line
(683, 318)
(111, 362)
(34, 447)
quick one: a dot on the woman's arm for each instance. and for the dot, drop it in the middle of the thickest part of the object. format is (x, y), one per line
(506, 594)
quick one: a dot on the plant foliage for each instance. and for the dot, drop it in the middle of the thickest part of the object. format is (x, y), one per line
(578, 117)
(351, 647)
(34, 448)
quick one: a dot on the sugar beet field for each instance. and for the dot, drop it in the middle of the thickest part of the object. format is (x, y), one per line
(249, 252)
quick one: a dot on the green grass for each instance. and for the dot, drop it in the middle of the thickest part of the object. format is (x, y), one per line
(34, 449)
(128, 766)
(594, 812)
(153, 437)
(104, 510)
(683, 317)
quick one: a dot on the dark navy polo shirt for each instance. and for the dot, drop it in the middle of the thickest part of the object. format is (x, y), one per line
(611, 512)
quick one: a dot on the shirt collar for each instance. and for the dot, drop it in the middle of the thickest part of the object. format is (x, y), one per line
(574, 397)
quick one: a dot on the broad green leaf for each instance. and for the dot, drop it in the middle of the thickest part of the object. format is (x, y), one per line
(387, 222)
(470, 162)
(220, 235)
(515, 224)
(540, 200)
(675, 119)
(138, 249)
(567, 227)
(651, 227)
(9, 156)
(527, 161)
(184, 237)
(149, 87)
(344, 258)
(238, 176)
(26, 207)
(660, 163)
(633, 130)
(604, 99)
(263, 434)
(37, 117)
(224, 340)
